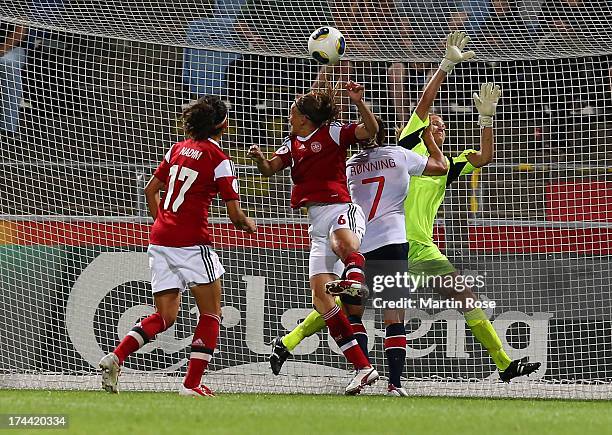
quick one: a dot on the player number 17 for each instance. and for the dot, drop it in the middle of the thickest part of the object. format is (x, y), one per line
(188, 176)
(379, 190)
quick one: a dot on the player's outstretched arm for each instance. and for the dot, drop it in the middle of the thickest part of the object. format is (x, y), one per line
(486, 104)
(369, 127)
(436, 163)
(240, 220)
(151, 191)
(266, 167)
(455, 43)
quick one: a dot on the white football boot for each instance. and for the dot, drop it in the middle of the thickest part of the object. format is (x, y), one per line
(394, 391)
(110, 372)
(363, 377)
(199, 391)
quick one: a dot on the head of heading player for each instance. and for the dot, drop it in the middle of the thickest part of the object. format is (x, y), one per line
(312, 110)
(379, 139)
(205, 118)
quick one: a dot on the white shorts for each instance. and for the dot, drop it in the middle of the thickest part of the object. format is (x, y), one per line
(183, 268)
(323, 220)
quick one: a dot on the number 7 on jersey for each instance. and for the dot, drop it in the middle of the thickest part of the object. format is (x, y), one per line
(379, 190)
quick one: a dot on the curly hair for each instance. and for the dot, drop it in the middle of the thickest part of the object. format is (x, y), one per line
(319, 105)
(204, 117)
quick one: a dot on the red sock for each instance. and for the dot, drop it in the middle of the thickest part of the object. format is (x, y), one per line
(340, 330)
(360, 333)
(202, 348)
(143, 332)
(353, 267)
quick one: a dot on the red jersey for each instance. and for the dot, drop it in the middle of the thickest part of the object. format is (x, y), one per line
(194, 171)
(318, 164)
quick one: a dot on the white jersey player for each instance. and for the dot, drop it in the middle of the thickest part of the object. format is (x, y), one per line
(378, 180)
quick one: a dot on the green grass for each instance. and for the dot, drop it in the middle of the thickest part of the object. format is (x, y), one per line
(91, 412)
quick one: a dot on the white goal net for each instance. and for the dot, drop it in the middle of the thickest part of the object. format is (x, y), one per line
(91, 92)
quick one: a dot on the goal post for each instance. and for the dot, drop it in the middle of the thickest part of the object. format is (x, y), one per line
(91, 96)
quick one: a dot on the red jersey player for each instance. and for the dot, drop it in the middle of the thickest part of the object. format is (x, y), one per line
(316, 153)
(192, 173)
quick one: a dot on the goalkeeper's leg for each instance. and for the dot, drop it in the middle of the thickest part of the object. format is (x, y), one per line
(283, 346)
(430, 264)
(440, 271)
(313, 323)
(484, 332)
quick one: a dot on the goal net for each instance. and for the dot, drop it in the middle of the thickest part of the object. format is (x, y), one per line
(91, 92)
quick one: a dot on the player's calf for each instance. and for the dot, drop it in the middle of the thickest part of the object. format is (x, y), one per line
(202, 349)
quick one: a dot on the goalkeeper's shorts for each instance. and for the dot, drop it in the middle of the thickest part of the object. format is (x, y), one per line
(426, 261)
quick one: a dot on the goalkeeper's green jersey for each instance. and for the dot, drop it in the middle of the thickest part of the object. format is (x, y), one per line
(426, 193)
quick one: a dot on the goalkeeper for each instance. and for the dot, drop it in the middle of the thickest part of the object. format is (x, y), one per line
(423, 200)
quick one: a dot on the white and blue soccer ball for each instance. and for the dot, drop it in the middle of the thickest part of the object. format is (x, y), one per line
(326, 45)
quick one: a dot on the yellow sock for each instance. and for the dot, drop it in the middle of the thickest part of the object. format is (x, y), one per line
(312, 324)
(487, 336)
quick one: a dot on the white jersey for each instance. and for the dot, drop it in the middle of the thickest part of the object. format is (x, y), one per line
(378, 181)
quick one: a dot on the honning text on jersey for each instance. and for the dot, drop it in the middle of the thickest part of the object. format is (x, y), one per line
(376, 165)
(190, 152)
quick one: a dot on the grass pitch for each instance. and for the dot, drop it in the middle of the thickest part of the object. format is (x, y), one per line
(91, 412)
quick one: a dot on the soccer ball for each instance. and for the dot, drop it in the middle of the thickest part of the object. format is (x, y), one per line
(326, 45)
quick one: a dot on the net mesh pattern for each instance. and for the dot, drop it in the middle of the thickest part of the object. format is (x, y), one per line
(91, 95)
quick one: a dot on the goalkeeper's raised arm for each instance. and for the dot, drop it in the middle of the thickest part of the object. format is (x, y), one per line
(486, 104)
(455, 44)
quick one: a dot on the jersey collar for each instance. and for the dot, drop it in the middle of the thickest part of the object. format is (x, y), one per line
(305, 138)
(215, 142)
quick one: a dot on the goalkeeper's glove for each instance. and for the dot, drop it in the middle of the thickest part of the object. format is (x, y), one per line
(486, 103)
(455, 43)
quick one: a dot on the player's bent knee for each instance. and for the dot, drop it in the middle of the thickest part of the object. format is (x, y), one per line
(469, 294)
(344, 242)
(341, 248)
(393, 316)
(323, 303)
(446, 292)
